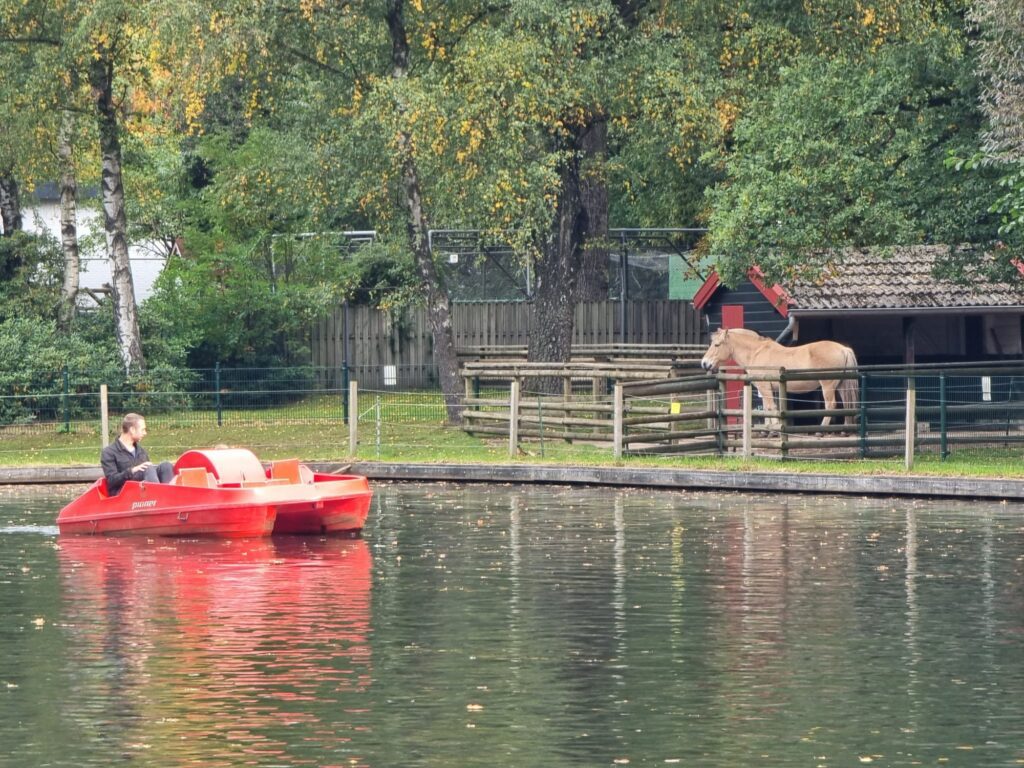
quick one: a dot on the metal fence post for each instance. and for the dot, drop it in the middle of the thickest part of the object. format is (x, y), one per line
(344, 390)
(862, 428)
(67, 403)
(376, 408)
(216, 389)
(943, 436)
(353, 421)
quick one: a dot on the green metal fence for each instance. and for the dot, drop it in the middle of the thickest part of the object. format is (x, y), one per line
(66, 400)
(956, 410)
(959, 411)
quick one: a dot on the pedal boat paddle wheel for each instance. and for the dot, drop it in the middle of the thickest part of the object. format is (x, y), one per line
(224, 493)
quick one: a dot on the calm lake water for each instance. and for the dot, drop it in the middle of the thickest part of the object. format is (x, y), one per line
(506, 626)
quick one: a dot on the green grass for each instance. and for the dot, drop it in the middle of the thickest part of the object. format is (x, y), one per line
(411, 430)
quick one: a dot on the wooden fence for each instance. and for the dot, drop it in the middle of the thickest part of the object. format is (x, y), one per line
(402, 341)
(907, 409)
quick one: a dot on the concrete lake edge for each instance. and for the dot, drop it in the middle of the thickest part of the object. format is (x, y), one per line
(917, 486)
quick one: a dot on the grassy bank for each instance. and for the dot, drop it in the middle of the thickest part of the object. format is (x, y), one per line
(424, 441)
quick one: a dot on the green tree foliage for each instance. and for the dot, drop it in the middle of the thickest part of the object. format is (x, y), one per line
(30, 273)
(1001, 24)
(848, 149)
(93, 56)
(33, 354)
(1001, 27)
(253, 131)
(256, 178)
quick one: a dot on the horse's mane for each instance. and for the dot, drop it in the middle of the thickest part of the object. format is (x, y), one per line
(747, 333)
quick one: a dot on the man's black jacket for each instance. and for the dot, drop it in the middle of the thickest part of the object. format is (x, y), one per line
(117, 462)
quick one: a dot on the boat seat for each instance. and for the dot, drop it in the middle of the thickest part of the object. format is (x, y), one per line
(193, 477)
(288, 470)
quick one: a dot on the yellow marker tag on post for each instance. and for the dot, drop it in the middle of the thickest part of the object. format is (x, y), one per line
(676, 408)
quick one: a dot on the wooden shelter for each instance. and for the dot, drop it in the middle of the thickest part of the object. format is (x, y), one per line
(888, 304)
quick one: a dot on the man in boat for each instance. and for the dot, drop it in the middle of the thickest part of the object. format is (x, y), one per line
(125, 459)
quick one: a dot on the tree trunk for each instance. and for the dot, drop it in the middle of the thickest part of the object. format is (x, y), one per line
(68, 224)
(101, 80)
(10, 204)
(438, 304)
(593, 278)
(592, 283)
(554, 303)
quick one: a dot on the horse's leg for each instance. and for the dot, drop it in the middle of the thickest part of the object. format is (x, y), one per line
(828, 392)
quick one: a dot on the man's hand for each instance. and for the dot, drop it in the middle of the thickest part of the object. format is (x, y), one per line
(142, 467)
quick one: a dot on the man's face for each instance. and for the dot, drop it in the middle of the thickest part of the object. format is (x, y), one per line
(138, 431)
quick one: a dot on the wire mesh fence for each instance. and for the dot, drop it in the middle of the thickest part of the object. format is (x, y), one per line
(199, 397)
(958, 412)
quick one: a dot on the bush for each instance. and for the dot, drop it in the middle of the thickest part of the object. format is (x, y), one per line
(33, 359)
(30, 275)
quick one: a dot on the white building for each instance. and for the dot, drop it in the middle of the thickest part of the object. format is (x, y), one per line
(41, 213)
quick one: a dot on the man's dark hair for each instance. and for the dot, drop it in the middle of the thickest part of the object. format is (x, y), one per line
(130, 420)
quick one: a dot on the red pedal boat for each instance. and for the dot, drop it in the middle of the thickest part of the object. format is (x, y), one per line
(224, 493)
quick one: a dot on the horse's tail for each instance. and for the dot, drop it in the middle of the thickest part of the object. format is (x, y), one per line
(849, 389)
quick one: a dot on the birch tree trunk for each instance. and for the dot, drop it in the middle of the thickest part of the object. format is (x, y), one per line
(438, 304)
(10, 204)
(68, 224)
(101, 80)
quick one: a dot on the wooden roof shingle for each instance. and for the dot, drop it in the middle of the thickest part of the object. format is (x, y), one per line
(888, 280)
(898, 278)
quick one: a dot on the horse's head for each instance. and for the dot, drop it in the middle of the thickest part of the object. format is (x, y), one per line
(718, 352)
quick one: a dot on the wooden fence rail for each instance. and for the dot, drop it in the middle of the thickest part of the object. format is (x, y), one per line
(695, 414)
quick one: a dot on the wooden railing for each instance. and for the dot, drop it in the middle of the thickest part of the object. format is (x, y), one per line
(639, 414)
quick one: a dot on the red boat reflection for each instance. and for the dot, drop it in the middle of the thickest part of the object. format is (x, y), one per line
(218, 644)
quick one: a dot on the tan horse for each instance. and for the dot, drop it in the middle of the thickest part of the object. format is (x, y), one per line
(758, 354)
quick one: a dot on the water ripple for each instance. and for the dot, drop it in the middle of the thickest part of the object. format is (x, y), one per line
(540, 626)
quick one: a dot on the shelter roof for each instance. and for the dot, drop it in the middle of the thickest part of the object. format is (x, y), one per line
(891, 279)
